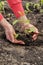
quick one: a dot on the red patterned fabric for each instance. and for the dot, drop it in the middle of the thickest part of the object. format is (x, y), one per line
(1, 16)
(17, 8)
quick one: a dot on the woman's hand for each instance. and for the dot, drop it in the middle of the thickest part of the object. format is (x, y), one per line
(35, 35)
(10, 32)
(25, 25)
(29, 26)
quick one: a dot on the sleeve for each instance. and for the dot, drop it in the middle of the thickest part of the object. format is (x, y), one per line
(1, 17)
(17, 8)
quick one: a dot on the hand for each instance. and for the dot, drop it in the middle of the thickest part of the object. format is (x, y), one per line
(28, 26)
(9, 31)
(25, 26)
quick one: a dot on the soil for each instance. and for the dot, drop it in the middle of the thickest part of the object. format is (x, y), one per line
(15, 54)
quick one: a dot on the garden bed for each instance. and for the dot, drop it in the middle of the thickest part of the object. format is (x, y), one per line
(15, 54)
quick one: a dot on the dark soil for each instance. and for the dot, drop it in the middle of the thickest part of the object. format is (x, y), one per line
(29, 54)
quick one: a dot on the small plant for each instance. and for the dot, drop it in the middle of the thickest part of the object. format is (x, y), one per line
(1, 6)
(30, 30)
(16, 36)
(37, 5)
(27, 7)
(14, 22)
(27, 31)
(41, 2)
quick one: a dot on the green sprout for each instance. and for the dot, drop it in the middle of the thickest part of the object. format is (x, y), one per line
(1, 6)
(16, 36)
(38, 5)
(26, 11)
(14, 22)
(30, 30)
(27, 7)
(41, 2)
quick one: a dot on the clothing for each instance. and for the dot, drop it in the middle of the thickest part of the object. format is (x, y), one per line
(1, 16)
(17, 8)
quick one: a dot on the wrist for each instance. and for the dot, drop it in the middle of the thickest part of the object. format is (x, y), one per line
(4, 23)
(22, 19)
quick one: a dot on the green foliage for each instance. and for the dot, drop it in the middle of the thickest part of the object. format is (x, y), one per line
(37, 5)
(1, 6)
(30, 30)
(41, 1)
(27, 7)
(16, 36)
(14, 22)
(26, 12)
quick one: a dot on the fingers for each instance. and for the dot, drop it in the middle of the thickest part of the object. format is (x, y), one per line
(34, 37)
(35, 34)
(11, 38)
(18, 41)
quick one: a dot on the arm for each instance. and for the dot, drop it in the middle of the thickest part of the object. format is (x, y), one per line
(3, 21)
(9, 31)
(17, 8)
(1, 16)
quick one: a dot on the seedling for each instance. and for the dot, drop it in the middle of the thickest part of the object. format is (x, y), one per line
(1, 6)
(27, 31)
(14, 22)
(41, 2)
(30, 30)
(27, 7)
(16, 36)
(38, 5)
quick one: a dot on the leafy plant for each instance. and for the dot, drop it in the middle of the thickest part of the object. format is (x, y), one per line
(27, 7)
(41, 2)
(1, 6)
(27, 31)
(14, 22)
(30, 30)
(38, 5)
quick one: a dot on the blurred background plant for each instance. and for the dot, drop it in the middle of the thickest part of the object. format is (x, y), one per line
(1, 6)
(34, 7)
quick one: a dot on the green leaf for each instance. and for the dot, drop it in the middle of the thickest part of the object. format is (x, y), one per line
(26, 11)
(27, 6)
(15, 36)
(30, 30)
(1, 6)
(14, 22)
(41, 2)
